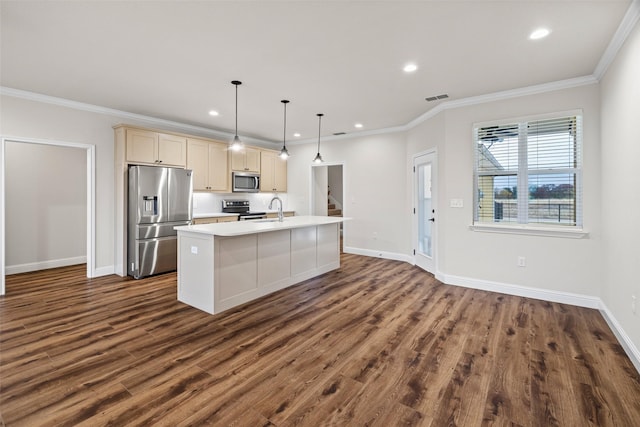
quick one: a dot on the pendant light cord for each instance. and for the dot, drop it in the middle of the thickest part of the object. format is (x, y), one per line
(319, 121)
(236, 109)
(236, 83)
(284, 131)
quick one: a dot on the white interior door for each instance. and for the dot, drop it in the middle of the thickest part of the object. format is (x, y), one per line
(424, 229)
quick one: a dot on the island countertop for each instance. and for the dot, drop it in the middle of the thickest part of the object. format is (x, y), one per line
(223, 265)
(240, 228)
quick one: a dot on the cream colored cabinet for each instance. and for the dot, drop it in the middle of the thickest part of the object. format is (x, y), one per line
(245, 160)
(214, 220)
(208, 160)
(273, 172)
(144, 146)
(271, 215)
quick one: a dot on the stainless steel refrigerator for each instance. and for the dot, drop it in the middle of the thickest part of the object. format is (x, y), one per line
(159, 199)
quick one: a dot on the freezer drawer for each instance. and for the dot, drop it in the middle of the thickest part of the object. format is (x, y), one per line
(153, 256)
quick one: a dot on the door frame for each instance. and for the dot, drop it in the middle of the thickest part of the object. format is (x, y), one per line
(91, 199)
(312, 194)
(414, 200)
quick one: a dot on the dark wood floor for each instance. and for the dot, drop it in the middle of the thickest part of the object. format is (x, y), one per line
(376, 342)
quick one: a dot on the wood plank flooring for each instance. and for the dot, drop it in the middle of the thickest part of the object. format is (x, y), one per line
(376, 342)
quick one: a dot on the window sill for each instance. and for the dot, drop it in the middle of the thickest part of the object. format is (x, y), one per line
(530, 230)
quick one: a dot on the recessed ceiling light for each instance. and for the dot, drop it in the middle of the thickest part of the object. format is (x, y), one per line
(358, 125)
(214, 113)
(410, 68)
(538, 34)
(297, 135)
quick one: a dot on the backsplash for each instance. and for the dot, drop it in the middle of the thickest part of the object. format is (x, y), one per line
(205, 203)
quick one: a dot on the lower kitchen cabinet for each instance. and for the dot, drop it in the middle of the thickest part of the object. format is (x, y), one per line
(214, 219)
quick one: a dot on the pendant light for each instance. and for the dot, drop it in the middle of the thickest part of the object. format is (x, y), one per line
(236, 144)
(318, 158)
(284, 153)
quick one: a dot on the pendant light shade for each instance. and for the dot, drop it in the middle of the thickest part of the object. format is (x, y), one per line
(284, 153)
(236, 144)
(318, 158)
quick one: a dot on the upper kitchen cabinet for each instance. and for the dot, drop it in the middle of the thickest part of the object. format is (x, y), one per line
(245, 160)
(208, 160)
(143, 146)
(273, 173)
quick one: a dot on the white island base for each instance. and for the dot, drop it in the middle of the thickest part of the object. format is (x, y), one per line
(224, 265)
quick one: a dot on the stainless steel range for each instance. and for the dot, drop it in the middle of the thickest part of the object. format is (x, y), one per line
(242, 208)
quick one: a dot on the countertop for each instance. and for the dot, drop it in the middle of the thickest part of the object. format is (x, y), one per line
(240, 228)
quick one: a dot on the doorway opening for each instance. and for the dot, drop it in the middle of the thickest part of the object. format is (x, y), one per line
(90, 199)
(328, 193)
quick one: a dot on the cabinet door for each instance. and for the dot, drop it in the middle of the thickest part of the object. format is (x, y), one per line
(273, 172)
(172, 150)
(218, 167)
(237, 160)
(280, 174)
(197, 221)
(267, 172)
(142, 146)
(198, 161)
(252, 162)
(228, 219)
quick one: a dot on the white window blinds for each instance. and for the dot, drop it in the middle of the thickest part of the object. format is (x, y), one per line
(529, 172)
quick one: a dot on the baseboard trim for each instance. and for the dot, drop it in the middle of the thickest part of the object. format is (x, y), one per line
(626, 343)
(43, 265)
(524, 291)
(378, 254)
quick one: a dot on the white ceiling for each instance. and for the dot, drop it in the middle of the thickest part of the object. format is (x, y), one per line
(175, 60)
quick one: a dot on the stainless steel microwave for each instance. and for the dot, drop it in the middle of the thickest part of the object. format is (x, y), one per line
(243, 182)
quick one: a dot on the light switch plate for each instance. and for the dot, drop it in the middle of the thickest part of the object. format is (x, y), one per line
(194, 250)
(456, 203)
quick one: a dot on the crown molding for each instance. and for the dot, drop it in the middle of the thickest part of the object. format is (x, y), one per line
(458, 103)
(624, 29)
(125, 115)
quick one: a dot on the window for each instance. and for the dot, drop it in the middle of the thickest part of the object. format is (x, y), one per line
(529, 172)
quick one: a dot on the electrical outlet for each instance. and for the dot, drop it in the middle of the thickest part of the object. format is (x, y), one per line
(375, 235)
(633, 304)
(522, 261)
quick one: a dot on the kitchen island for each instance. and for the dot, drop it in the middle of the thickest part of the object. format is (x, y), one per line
(227, 264)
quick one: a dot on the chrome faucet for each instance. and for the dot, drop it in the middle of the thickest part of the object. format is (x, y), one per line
(280, 214)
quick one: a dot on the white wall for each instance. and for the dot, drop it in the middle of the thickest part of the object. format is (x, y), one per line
(46, 206)
(374, 171)
(36, 120)
(620, 93)
(553, 263)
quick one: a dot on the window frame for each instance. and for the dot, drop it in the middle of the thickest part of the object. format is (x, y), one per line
(523, 226)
